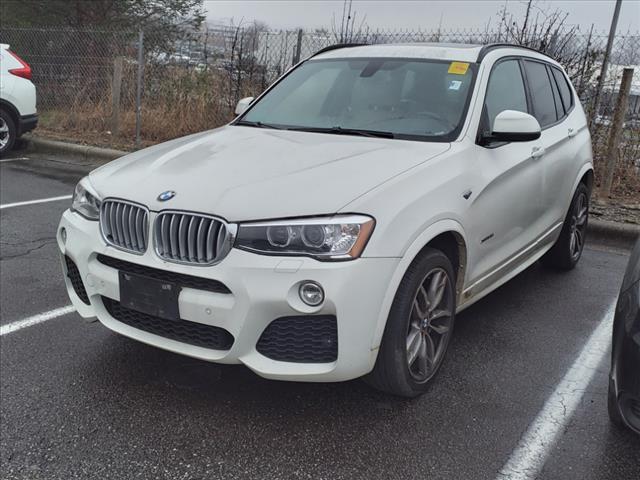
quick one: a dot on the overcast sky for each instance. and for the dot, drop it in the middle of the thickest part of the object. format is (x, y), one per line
(425, 14)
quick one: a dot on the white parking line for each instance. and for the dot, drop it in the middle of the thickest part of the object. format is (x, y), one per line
(534, 447)
(39, 318)
(33, 202)
(13, 159)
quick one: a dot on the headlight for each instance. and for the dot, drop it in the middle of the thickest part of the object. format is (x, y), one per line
(342, 237)
(85, 203)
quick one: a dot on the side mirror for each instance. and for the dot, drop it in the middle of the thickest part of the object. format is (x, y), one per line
(243, 104)
(514, 126)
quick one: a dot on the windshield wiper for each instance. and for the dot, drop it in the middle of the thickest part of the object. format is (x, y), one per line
(346, 131)
(335, 130)
(247, 123)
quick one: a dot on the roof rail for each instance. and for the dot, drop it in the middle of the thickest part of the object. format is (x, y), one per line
(337, 46)
(493, 46)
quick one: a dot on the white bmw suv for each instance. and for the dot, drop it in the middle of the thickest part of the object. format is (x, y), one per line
(17, 98)
(334, 229)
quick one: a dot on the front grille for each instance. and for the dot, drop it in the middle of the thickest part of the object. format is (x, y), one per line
(73, 274)
(634, 407)
(191, 238)
(180, 279)
(125, 225)
(184, 331)
(301, 339)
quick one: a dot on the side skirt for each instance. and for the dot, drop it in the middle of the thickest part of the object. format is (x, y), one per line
(509, 268)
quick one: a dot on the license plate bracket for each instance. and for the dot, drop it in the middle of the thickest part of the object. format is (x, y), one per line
(149, 295)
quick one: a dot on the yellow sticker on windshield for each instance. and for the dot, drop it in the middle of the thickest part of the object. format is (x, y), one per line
(458, 68)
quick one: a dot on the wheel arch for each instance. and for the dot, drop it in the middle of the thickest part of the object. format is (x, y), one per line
(586, 176)
(11, 110)
(453, 245)
(449, 237)
(588, 179)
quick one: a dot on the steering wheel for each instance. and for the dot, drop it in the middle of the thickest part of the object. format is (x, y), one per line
(435, 117)
(421, 114)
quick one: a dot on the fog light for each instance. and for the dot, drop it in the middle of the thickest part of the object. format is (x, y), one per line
(63, 235)
(311, 293)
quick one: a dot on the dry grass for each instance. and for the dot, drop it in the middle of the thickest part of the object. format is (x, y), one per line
(183, 102)
(626, 178)
(626, 184)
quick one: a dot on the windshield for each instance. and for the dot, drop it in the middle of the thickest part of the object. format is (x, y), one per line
(398, 98)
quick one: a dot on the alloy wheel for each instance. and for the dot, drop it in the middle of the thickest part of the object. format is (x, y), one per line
(4, 133)
(430, 325)
(578, 225)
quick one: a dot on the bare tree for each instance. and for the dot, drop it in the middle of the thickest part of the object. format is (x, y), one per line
(348, 33)
(246, 68)
(546, 30)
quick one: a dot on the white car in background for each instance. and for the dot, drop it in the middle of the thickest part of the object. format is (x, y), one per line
(17, 99)
(336, 227)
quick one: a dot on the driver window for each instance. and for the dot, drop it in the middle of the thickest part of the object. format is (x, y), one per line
(504, 92)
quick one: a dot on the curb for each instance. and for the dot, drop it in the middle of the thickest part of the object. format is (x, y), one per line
(86, 152)
(620, 235)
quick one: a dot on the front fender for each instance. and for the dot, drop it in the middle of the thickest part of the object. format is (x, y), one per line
(410, 253)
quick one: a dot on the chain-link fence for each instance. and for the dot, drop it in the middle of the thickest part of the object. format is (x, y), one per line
(91, 83)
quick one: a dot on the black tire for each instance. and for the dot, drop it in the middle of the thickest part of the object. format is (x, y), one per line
(565, 254)
(393, 373)
(6, 121)
(612, 407)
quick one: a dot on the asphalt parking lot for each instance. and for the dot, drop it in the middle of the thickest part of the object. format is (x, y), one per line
(80, 402)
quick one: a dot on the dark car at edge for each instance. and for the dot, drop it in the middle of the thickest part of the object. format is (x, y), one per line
(624, 379)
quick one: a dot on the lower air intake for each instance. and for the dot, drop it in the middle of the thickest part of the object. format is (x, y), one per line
(189, 281)
(192, 333)
(301, 339)
(73, 274)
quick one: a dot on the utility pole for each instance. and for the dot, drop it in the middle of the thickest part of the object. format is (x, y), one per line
(298, 50)
(346, 39)
(116, 87)
(605, 61)
(344, 10)
(139, 86)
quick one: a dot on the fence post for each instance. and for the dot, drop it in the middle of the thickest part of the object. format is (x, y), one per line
(595, 107)
(139, 86)
(116, 87)
(296, 54)
(206, 52)
(622, 103)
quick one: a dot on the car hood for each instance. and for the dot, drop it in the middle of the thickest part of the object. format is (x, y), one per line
(244, 173)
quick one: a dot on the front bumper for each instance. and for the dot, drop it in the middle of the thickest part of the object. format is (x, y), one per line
(263, 288)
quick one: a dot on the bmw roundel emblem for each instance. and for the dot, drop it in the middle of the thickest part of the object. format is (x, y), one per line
(168, 195)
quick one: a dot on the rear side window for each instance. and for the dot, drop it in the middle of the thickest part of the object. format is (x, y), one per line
(563, 86)
(544, 107)
(505, 91)
(556, 96)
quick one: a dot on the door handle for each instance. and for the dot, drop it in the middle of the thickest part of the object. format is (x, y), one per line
(537, 152)
(571, 133)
